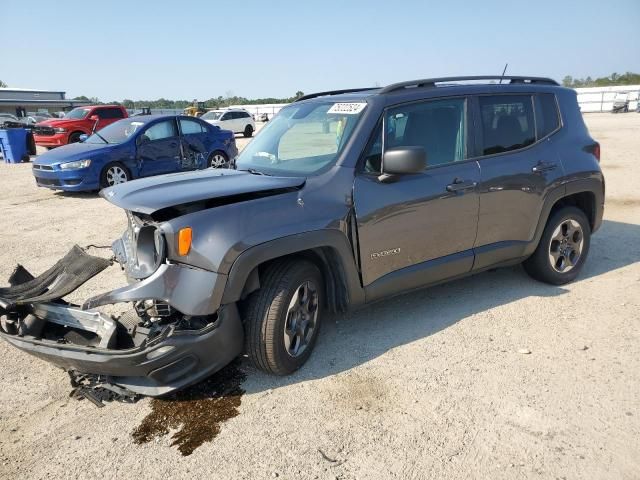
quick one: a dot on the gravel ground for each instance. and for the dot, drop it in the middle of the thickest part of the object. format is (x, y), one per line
(426, 385)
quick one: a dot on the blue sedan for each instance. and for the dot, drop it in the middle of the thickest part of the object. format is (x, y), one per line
(133, 148)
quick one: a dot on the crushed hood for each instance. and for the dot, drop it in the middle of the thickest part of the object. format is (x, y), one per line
(152, 194)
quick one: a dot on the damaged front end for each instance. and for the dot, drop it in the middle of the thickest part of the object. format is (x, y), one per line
(173, 334)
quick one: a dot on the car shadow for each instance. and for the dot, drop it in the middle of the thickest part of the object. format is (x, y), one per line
(357, 337)
(352, 339)
(87, 195)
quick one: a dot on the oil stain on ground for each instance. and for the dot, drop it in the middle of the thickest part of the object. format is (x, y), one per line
(197, 412)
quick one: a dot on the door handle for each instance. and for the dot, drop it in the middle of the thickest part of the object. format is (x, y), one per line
(173, 144)
(461, 185)
(544, 167)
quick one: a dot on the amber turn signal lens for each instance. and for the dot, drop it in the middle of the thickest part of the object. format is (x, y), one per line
(184, 241)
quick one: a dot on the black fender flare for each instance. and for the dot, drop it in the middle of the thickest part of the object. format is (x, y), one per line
(592, 185)
(334, 240)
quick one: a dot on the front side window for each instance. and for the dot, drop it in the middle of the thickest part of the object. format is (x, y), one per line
(438, 126)
(507, 123)
(109, 113)
(190, 127)
(302, 139)
(161, 130)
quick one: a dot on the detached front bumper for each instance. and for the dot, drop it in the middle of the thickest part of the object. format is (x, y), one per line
(176, 361)
(199, 337)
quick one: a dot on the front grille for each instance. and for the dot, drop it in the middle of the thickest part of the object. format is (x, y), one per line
(42, 167)
(48, 182)
(43, 131)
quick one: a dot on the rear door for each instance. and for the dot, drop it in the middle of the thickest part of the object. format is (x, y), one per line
(419, 228)
(162, 152)
(193, 137)
(519, 165)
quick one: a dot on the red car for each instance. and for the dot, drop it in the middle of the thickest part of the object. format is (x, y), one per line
(82, 120)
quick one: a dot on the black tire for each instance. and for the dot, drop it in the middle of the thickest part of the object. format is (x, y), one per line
(267, 311)
(216, 157)
(104, 175)
(540, 265)
(248, 131)
(75, 137)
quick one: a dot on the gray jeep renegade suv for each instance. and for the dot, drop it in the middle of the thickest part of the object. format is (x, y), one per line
(343, 198)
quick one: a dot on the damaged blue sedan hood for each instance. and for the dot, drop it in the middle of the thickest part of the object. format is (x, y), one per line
(149, 195)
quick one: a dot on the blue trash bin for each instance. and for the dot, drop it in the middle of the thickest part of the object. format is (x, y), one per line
(13, 142)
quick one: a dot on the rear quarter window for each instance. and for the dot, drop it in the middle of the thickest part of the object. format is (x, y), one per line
(547, 115)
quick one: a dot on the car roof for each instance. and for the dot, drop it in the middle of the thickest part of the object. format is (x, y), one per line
(435, 87)
(150, 118)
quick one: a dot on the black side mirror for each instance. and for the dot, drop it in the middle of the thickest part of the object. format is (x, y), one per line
(403, 161)
(142, 139)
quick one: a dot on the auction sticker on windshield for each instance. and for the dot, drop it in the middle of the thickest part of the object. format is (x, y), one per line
(347, 108)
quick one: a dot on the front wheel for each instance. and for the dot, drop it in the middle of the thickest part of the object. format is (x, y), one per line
(114, 174)
(248, 131)
(283, 317)
(563, 248)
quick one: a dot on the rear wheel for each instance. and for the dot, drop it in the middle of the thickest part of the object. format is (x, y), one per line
(114, 174)
(218, 159)
(248, 131)
(563, 248)
(282, 318)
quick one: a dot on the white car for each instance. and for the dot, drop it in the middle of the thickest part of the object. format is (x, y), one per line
(234, 119)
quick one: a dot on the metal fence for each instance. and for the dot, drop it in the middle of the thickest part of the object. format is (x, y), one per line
(601, 99)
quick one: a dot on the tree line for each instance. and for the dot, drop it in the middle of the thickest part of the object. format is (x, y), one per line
(612, 80)
(219, 102)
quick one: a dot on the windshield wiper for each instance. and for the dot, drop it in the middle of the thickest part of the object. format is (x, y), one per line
(253, 171)
(101, 137)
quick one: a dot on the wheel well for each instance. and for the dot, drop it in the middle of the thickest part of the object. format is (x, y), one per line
(327, 261)
(75, 132)
(585, 201)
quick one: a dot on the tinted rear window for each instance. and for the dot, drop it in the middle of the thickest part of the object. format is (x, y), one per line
(507, 123)
(546, 114)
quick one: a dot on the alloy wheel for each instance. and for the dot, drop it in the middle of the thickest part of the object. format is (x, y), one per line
(218, 161)
(301, 320)
(116, 175)
(566, 246)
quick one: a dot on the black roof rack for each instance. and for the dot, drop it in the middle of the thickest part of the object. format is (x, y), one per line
(333, 92)
(431, 82)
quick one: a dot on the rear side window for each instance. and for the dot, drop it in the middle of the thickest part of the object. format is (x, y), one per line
(161, 130)
(190, 127)
(547, 118)
(507, 123)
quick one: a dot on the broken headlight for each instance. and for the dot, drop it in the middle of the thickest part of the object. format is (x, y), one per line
(149, 251)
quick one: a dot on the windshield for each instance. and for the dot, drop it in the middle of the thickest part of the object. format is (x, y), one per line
(302, 139)
(117, 132)
(77, 113)
(211, 116)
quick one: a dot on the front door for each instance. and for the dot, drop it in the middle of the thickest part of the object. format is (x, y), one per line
(420, 228)
(160, 152)
(519, 165)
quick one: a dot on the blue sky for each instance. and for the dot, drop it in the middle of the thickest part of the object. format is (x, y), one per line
(190, 49)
